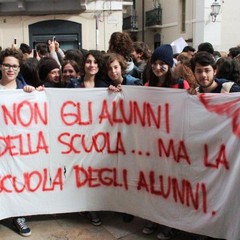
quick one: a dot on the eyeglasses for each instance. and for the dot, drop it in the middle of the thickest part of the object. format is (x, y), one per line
(7, 67)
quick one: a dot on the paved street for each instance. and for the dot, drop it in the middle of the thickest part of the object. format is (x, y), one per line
(73, 226)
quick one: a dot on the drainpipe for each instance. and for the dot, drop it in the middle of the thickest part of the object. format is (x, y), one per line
(143, 21)
(97, 31)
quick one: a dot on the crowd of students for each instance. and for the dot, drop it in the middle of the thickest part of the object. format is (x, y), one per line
(125, 63)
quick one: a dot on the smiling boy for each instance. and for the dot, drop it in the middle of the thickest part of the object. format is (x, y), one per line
(204, 69)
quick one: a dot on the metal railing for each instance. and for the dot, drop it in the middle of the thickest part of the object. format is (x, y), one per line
(130, 23)
(153, 17)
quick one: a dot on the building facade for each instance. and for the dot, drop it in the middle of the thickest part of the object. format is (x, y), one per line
(163, 21)
(84, 24)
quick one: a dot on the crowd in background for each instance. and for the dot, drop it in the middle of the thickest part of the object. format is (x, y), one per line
(49, 66)
(124, 63)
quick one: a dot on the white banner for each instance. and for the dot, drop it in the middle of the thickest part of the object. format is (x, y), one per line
(160, 154)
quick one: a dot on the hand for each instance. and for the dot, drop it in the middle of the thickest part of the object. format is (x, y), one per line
(40, 88)
(51, 46)
(192, 91)
(14, 46)
(119, 87)
(113, 88)
(28, 88)
(57, 46)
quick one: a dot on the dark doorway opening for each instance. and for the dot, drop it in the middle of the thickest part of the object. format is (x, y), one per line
(67, 33)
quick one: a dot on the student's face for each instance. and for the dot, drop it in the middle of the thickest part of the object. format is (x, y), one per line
(190, 54)
(10, 68)
(136, 56)
(159, 68)
(69, 72)
(91, 65)
(115, 71)
(204, 75)
(54, 76)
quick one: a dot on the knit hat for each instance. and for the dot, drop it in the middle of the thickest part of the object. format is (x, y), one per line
(46, 65)
(163, 53)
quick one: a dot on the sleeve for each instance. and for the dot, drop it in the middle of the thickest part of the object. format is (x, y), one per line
(61, 53)
(130, 80)
(186, 84)
(234, 87)
(226, 87)
(55, 57)
(73, 83)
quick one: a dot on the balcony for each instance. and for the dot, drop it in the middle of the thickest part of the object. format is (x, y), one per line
(40, 7)
(153, 17)
(130, 23)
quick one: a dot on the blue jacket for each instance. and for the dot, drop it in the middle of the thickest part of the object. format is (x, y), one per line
(130, 80)
(20, 82)
(222, 84)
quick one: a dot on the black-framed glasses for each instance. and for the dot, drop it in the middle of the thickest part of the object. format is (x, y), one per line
(7, 67)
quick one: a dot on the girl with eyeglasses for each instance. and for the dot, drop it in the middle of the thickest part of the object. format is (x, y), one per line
(10, 61)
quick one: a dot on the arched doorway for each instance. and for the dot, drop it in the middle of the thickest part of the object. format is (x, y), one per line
(67, 33)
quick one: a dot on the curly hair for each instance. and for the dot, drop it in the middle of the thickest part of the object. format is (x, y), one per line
(98, 55)
(121, 43)
(183, 71)
(11, 52)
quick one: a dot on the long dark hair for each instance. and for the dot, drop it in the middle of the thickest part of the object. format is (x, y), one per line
(99, 56)
(169, 79)
(121, 43)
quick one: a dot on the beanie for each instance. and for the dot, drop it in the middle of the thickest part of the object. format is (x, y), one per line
(46, 65)
(163, 53)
